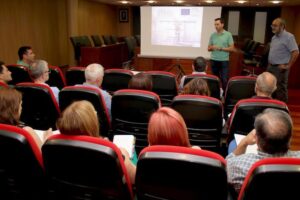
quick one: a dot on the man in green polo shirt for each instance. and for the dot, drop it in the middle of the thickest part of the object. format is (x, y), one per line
(220, 44)
(26, 56)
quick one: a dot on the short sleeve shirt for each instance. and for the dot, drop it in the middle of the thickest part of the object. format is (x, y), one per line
(222, 40)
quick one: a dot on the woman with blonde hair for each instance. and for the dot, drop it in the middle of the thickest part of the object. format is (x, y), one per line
(197, 86)
(80, 118)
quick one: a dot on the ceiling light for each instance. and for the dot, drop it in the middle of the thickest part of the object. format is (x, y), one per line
(124, 2)
(209, 1)
(276, 2)
(241, 2)
(151, 1)
(179, 1)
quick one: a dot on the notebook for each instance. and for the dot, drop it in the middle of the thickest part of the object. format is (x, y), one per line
(250, 148)
(40, 133)
(125, 141)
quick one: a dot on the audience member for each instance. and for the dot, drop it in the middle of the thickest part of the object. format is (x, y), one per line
(141, 81)
(26, 56)
(272, 133)
(265, 86)
(39, 72)
(5, 74)
(197, 86)
(80, 118)
(199, 67)
(10, 112)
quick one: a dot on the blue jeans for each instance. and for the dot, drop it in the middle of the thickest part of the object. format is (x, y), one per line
(221, 69)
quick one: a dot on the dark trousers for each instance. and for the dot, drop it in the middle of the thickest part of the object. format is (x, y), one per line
(221, 69)
(282, 75)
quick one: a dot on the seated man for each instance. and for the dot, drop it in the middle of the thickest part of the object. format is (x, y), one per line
(265, 86)
(26, 56)
(93, 77)
(39, 72)
(199, 67)
(5, 74)
(272, 133)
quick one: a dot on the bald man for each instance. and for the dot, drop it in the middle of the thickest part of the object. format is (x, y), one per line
(272, 133)
(283, 54)
(265, 86)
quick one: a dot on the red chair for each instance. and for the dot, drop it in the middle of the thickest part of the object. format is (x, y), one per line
(131, 110)
(21, 166)
(165, 85)
(213, 83)
(203, 117)
(84, 167)
(56, 77)
(177, 173)
(75, 75)
(76, 93)
(116, 79)
(19, 74)
(242, 118)
(40, 108)
(272, 178)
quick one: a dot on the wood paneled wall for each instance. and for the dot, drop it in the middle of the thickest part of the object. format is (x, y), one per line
(38, 23)
(292, 17)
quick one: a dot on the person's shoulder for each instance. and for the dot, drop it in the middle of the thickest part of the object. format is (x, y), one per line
(104, 92)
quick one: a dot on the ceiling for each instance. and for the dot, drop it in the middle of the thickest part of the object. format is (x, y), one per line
(259, 3)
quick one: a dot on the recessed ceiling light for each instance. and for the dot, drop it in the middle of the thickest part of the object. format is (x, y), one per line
(241, 2)
(276, 2)
(151, 1)
(209, 1)
(179, 1)
(124, 2)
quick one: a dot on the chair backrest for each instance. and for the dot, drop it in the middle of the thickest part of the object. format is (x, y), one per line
(56, 77)
(238, 87)
(203, 118)
(96, 40)
(75, 75)
(165, 85)
(114, 39)
(213, 83)
(138, 40)
(242, 118)
(78, 42)
(107, 39)
(19, 74)
(39, 108)
(84, 167)
(116, 79)
(131, 110)
(131, 44)
(172, 172)
(272, 178)
(21, 166)
(76, 93)
(246, 44)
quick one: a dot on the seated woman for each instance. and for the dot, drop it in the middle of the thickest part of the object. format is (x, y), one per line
(10, 112)
(80, 118)
(197, 86)
(141, 81)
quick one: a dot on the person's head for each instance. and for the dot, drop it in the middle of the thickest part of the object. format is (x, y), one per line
(141, 81)
(26, 54)
(39, 71)
(10, 106)
(197, 86)
(5, 74)
(265, 84)
(79, 118)
(278, 25)
(167, 127)
(219, 24)
(273, 131)
(199, 64)
(94, 74)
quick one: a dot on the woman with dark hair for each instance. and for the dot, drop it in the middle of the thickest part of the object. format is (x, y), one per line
(141, 81)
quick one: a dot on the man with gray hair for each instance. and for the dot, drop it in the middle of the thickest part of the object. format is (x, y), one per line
(283, 54)
(39, 72)
(272, 133)
(93, 78)
(199, 67)
(265, 86)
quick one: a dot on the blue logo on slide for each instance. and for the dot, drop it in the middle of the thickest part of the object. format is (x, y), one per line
(185, 11)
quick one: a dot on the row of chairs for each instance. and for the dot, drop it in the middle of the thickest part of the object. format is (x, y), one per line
(131, 110)
(83, 167)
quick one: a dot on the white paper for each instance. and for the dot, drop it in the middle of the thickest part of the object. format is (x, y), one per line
(40, 133)
(125, 141)
(250, 148)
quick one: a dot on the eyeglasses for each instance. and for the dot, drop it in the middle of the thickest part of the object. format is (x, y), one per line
(274, 26)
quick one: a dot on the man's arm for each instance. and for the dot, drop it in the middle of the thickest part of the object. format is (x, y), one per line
(294, 56)
(231, 48)
(248, 140)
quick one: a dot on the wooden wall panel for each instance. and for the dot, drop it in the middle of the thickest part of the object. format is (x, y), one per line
(38, 23)
(292, 17)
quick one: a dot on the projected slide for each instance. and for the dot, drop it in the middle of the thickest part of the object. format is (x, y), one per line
(176, 26)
